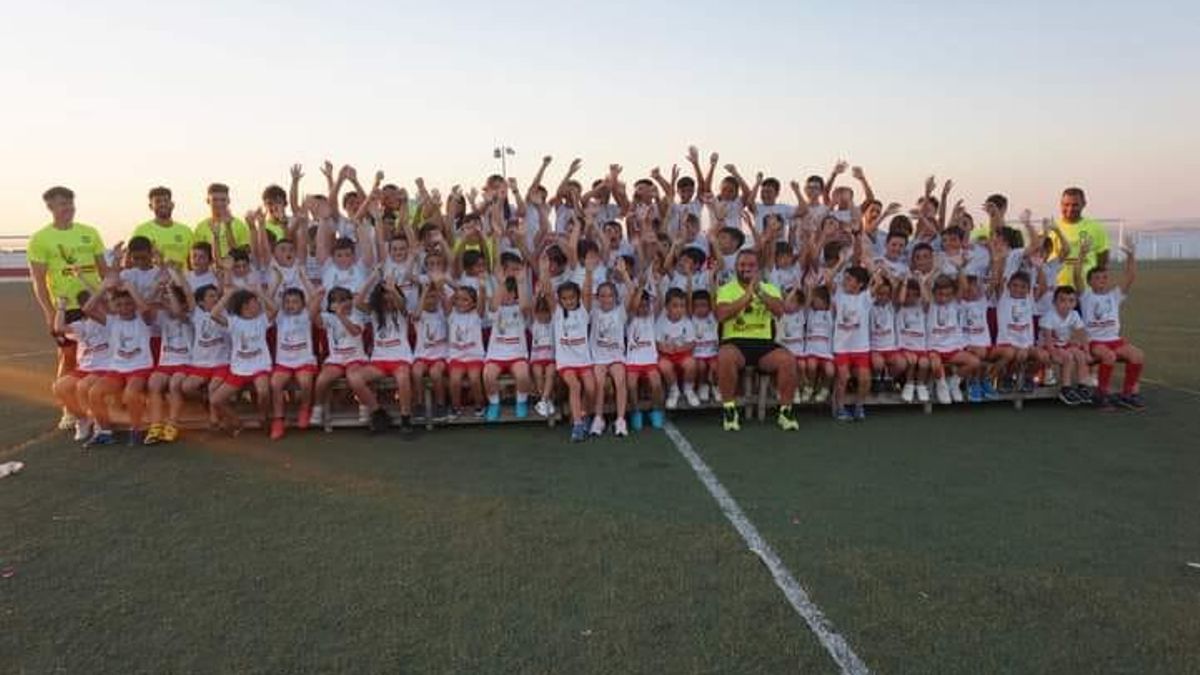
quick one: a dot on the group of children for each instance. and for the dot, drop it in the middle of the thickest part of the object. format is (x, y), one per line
(605, 293)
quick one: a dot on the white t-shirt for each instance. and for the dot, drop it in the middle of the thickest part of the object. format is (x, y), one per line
(1061, 328)
(1045, 304)
(784, 278)
(571, 349)
(542, 347)
(391, 339)
(344, 347)
(176, 346)
(608, 335)
(1102, 314)
(675, 334)
(466, 336)
(433, 336)
(852, 326)
(944, 334)
(973, 319)
(92, 338)
(352, 278)
(210, 347)
(293, 340)
(678, 212)
(818, 333)
(405, 277)
(910, 328)
(1014, 321)
(733, 212)
(883, 327)
(707, 336)
(198, 279)
(679, 280)
(507, 341)
(130, 340)
(144, 281)
(790, 329)
(249, 354)
(784, 211)
(640, 347)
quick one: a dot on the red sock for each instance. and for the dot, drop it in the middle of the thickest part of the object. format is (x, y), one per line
(1133, 373)
(1104, 377)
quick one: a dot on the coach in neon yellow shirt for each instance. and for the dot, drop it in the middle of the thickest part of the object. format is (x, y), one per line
(65, 257)
(172, 239)
(1075, 227)
(218, 205)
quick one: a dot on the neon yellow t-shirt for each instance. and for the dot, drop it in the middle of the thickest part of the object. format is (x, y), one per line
(1092, 230)
(241, 235)
(69, 256)
(173, 241)
(277, 227)
(754, 323)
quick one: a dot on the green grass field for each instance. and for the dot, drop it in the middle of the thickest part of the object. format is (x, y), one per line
(974, 540)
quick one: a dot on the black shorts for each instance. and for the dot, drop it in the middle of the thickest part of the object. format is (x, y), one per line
(752, 349)
(70, 316)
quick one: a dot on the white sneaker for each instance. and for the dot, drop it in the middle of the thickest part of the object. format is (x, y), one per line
(620, 428)
(909, 390)
(798, 397)
(943, 392)
(955, 384)
(822, 395)
(923, 393)
(67, 421)
(806, 394)
(703, 392)
(673, 398)
(598, 425)
(716, 395)
(317, 416)
(9, 468)
(692, 399)
(364, 414)
(1091, 380)
(1051, 377)
(543, 408)
(83, 430)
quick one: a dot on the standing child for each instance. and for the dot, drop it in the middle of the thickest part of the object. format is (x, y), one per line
(247, 314)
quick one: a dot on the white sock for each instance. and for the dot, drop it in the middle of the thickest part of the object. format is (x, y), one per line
(521, 398)
(494, 399)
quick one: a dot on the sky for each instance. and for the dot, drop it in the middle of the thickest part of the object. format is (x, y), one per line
(1022, 98)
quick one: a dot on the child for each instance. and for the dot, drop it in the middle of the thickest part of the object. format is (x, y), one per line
(174, 359)
(607, 344)
(128, 319)
(790, 329)
(572, 354)
(887, 360)
(912, 342)
(433, 346)
(391, 354)
(1015, 347)
(818, 342)
(541, 355)
(1064, 337)
(295, 357)
(706, 330)
(508, 350)
(977, 335)
(344, 334)
(200, 272)
(248, 315)
(1100, 305)
(210, 351)
(466, 352)
(944, 337)
(72, 389)
(852, 341)
(675, 340)
(641, 356)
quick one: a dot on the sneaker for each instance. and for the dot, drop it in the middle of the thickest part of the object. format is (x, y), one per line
(304, 417)
(716, 395)
(1084, 393)
(1027, 385)
(806, 395)
(1068, 396)
(276, 428)
(619, 428)
(797, 399)
(101, 437)
(822, 395)
(860, 413)
(673, 398)
(406, 425)
(730, 418)
(786, 419)
(317, 416)
(364, 414)
(1005, 385)
(1090, 380)
(908, 392)
(83, 430)
(989, 392)
(153, 435)
(480, 412)
(692, 399)
(702, 392)
(1051, 378)
(597, 426)
(1131, 401)
(954, 382)
(521, 410)
(657, 419)
(1104, 403)
(923, 393)
(636, 420)
(493, 412)
(67, 421)
(379, 421)
(843, 415)
(136, 437)
(543, 408)
(578, 432)
(170, 433)
(943, 392)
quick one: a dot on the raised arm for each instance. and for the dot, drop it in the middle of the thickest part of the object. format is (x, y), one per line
(861, 177)
(297, 172)
(838, 169)
(1127, 247)
(941, 210)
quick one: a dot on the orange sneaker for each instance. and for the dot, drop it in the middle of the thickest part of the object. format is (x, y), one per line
(302, 419)
(276, 429)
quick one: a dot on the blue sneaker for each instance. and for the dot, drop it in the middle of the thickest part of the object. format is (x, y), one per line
(975, 391)
(521, 410)
(989, 392)
(657, 419)
(636, 420)
(492, 414)
(579, 432)
(860, 413)
(102, 438)
(844, 415)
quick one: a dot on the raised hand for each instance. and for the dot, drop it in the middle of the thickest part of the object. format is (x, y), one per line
(327, 169)
(546, 160)
(693, 154)
(857, 172)
(840, 167)
(1128, 247)
(297, 172)
(930, 184)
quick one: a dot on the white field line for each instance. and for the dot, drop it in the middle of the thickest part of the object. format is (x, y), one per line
(21, 355)
(1168, 385)
(837, 646)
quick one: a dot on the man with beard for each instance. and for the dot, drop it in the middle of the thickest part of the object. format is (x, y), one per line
(1077, 229)
(746, 309)
(172, 240)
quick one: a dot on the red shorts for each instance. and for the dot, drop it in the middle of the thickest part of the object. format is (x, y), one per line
(310, 368)
(707, 360)
(391, 366)
(218, 373)
(239, 381)
(887, 354)
(676, 358)
(856, 360)
(640, 369)
(578, 371)
(818, 357)
(542, 362)
(1111, 345)
(504, 365)
(465, 364)
(428, 364)
(124, 378)
(343, 367)
(155, 347)
(80, 374)
(1009, 345)
(172, 370)
(945, 356)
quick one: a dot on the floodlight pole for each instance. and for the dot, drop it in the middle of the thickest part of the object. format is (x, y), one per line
(502, 152)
